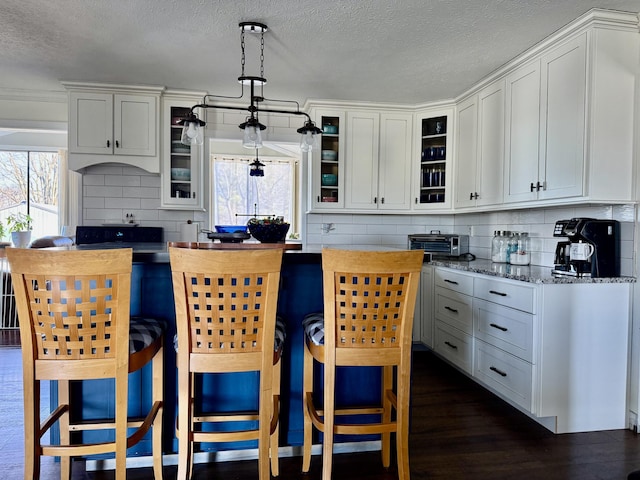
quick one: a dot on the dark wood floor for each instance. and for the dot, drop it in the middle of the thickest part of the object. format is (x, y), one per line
(458, 431)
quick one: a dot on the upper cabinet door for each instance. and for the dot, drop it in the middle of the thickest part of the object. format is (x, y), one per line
(466, 153)
(490, 144)
(394, 173)
(362, 159)
(91, 122)
(522, 136)
(135, 125)
(564, 79)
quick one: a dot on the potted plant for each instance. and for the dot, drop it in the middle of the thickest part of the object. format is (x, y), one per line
(19, 224)
(3, 244)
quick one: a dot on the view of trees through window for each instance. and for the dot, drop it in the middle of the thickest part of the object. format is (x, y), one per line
(238, 195)
(29, 183)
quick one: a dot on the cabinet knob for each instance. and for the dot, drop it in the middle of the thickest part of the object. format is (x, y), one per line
(375, 199)
(532, 186)
(108, 143)
(117, 144)
(382, 200)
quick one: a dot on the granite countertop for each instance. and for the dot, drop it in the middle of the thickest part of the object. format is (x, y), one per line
(528, 273)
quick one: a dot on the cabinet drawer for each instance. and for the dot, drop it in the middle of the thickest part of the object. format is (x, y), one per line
(455, 346)
(455, 309)
(510, 294)
(458, 282)
(506, 328)
(508, 375)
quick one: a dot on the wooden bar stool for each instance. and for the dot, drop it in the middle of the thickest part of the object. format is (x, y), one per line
(226, 322)
(73, 308)
(369, 300)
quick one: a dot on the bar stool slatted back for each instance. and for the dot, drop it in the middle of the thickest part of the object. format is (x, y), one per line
(73, 308)
(226, 322)
(369, 301)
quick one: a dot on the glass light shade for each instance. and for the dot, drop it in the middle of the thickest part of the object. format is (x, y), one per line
(308, 141)
(192, 134)
(252, 137)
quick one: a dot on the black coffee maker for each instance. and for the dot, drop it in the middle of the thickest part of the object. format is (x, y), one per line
(604, 235)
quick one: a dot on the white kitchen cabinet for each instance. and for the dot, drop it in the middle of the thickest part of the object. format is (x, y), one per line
(522, 121)
(378, 165)
(453, 318)
(432, 167)
(426, 319)
(569, 123)
(480, 144)
(113, 124)
(182, 165)
(558, 352)
(327, 171)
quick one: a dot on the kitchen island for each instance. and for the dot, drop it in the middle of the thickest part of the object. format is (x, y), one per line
(152, 295)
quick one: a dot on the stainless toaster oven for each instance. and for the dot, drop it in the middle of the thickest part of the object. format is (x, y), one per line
(440, 244)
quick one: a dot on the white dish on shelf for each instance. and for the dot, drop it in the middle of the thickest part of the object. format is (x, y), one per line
(329, 155)
(181, 174)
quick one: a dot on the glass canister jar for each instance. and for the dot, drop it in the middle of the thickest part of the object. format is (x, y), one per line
(499, 246)
(521, 254)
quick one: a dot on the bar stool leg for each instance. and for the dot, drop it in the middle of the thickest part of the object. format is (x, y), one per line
(275, 406)
(157, 396)
(402, 432)
(184, 425)
(122, 394)
(329, 419)
(65, 434)
(387, 385)
(307, 389)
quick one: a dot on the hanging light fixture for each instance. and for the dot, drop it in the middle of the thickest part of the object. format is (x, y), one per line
(252, 128)
(256, 167)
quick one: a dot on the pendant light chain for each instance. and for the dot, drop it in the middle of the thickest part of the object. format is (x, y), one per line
(262, 54)
(192, 132)
(242, 60)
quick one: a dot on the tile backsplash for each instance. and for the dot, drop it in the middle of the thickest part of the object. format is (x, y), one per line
(110, 192)
(392, 230)
(113, 191)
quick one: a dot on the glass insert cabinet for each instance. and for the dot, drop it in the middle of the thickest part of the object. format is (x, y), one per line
(434, 152)
(182, 164)
(327, 174)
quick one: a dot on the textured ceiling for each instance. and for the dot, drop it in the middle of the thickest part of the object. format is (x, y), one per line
(401, 51)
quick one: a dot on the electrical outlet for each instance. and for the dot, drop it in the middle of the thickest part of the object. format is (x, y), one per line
(471, 230)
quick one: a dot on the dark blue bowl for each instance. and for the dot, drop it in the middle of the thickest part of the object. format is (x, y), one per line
(231, 228)
(269, 233)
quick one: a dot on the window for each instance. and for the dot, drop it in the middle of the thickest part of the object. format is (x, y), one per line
(29, 183)
(236, 195)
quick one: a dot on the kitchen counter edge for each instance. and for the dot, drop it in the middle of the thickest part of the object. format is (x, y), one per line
(528, 273)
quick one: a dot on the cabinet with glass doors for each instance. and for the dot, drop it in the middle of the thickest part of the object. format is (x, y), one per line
(435, 150)
(327, 172)
(182, 182)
